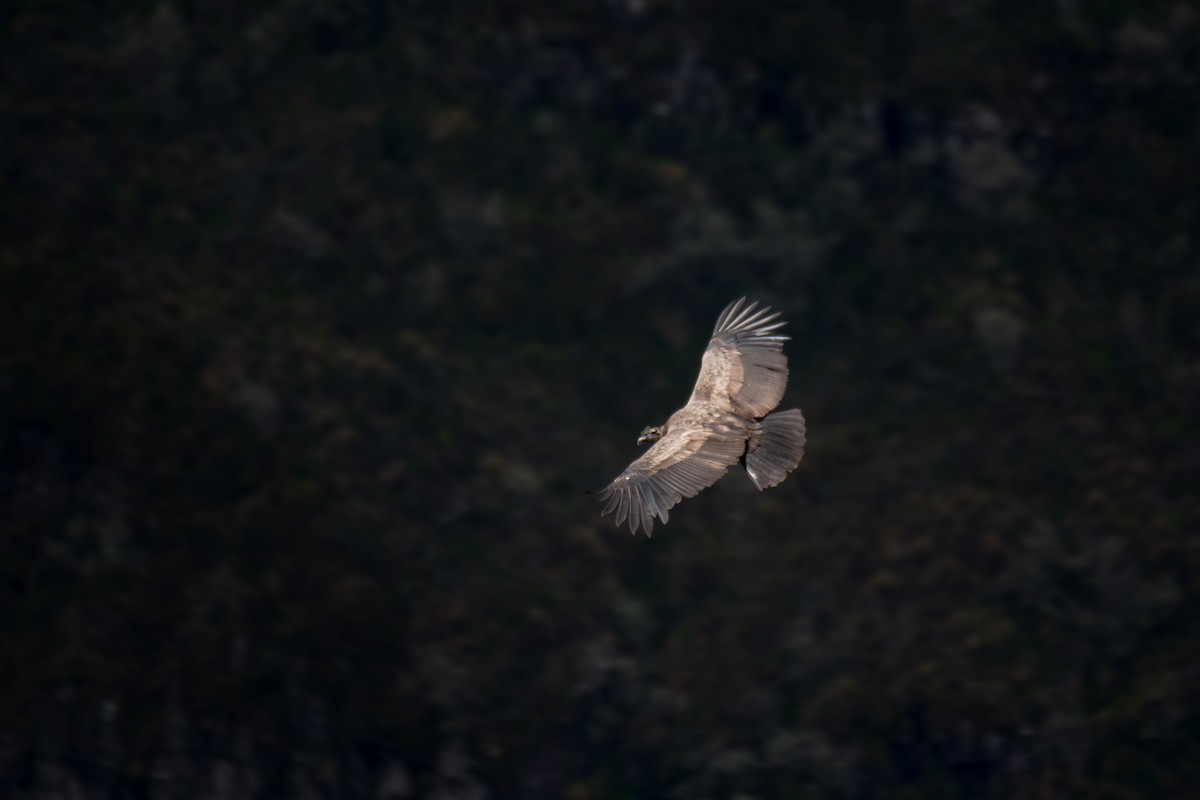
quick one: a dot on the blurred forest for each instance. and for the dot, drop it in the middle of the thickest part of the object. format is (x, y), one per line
(318, 318)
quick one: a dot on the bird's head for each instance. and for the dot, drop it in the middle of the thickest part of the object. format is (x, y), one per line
(650, 433)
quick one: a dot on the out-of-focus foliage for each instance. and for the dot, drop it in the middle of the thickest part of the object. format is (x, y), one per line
(317, 317)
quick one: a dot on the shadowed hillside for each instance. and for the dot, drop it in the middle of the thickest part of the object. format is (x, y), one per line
(318, 318)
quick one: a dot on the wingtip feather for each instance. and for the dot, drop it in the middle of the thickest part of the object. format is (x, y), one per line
(756, 324)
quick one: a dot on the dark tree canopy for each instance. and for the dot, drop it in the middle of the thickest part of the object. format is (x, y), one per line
(318, 316)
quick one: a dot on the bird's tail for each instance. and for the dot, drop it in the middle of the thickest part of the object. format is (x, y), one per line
(780, 450)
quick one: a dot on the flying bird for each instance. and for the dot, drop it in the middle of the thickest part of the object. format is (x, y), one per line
(726, 421)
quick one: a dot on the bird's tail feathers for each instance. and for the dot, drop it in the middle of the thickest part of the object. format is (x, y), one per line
(780, 450)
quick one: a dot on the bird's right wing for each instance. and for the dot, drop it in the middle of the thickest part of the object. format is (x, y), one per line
(679, 465)
(744, 369)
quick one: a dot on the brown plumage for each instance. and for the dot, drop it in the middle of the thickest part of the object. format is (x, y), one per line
(743, 376)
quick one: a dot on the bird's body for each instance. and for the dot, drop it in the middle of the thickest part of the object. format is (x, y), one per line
(727, 420)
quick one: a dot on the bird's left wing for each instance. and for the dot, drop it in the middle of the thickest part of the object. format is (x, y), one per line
(744, 369)
(681, 464)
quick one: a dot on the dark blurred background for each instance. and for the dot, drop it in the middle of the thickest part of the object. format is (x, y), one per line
(318, 317)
